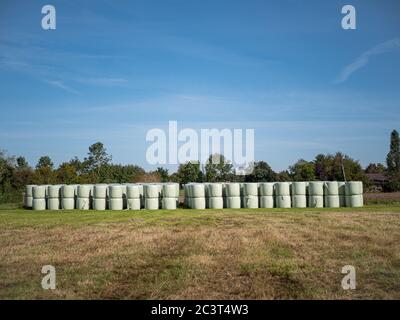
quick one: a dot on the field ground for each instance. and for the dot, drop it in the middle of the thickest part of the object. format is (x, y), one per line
(212, 254)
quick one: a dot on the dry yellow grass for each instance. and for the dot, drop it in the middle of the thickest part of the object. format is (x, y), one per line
(186, 254)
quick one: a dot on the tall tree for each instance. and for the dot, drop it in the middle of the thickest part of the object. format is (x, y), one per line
(97, 157)
(189, 172)
(375, 168)
(218, 168)
(393, 162)
(261, 172)
(44, 162)
(22, 163)
(302, 170)
(393, 157)
(163, 173)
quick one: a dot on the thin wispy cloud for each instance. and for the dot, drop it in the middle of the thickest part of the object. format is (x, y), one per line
(363, 59)
(59, 84)
(105, 82)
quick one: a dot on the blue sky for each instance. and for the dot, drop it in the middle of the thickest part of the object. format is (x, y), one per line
(112, 70)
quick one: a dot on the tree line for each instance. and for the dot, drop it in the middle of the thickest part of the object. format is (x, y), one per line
(97, 167)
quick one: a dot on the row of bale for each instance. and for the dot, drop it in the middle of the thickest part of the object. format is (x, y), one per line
(102, 196)
(314, 194)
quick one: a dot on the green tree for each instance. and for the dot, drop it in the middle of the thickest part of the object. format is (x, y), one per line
(163, 173)
(97, 157)
(393, 162)
(261, 172)
(218, 169)
(189, 172)
(66, 173)
(302, 170)
(283, 176)
(44, 162)
(22, 163)
(393, 157)
(375, 168)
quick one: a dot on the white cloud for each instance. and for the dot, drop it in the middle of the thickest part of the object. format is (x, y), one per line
(363, 59)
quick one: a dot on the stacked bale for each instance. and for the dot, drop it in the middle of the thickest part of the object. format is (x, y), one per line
(53, 197)
(39, 198)
(282, 195)
(214, 197)
(151, 197)
(67, 197)
(266, 194)
(250, 195)
(83, 197)
(115, 201)
(28, 196)
(197, 196)
(99, 197)
(168, 195)
(299, 194)
(133, 197)
(124, 187)
(354, 194)
(233, 199)
(331, 194)
(342, 193)
(316, 194)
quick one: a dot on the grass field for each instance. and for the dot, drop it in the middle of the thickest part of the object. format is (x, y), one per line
(212, 254)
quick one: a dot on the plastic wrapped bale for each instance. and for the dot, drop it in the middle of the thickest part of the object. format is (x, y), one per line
(250, 202)
(250, 190)
(282, 189)
(266, 189)
(353, 188)
(99, 201)
(39, 198)
(39, 204)
(133, 192)
(332, 201)
(299, 201)
(233, 190)
(133, 204)
(214, 199)
(233, 202)
(215, 190)
(299, 191)
(298, 188)
(53, 197)
(29, 195)
(266, 201)
(283, 201)
(215, 203)
(355, 201)
(316, 188)
(331, 194)
(83, 197)
(151, 203)
(198, 203)
(354, 194)
(331, 188)
(67, 197)
(316, 201)
(168, 190)
(197, 190)
(168, 203)
(133, 201)
(83, 203)
(115, 194)
(151, 191)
